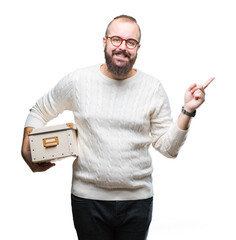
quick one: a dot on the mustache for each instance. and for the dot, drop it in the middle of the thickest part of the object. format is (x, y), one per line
(126, 54)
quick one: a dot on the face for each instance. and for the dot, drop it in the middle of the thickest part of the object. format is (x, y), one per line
(120, 60)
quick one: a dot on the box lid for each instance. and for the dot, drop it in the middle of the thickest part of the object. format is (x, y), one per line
(55, 128)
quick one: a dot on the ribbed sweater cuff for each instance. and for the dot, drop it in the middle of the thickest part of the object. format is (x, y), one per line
(177, 138)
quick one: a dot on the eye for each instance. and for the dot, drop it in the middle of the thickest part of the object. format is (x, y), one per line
(131, 43)
(116, 40)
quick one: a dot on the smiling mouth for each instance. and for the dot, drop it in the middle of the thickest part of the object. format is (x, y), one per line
(122, 54)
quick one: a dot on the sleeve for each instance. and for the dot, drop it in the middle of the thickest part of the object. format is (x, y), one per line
(167, 138)
(52, 103)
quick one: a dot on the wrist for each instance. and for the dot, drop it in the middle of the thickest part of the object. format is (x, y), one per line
(188, 108)
(190, 113)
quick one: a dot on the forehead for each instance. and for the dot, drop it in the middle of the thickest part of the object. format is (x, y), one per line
(124, 29)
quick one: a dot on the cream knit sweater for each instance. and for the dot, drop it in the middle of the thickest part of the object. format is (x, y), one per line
(117, 121)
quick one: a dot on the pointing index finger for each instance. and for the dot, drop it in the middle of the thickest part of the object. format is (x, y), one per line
(205, 85)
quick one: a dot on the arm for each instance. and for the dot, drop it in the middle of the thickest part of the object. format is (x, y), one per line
(167, 137)
(25, 152)
(194, 98)
(46, 108)
(51, 104)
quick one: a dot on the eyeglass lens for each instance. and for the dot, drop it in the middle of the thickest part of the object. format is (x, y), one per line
(117, 41)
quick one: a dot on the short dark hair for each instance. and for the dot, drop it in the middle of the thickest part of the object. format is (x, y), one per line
(125, 18)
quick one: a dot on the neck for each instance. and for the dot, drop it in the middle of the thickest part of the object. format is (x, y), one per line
(105, 71)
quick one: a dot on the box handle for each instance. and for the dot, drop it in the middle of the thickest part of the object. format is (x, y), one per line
(50, 142)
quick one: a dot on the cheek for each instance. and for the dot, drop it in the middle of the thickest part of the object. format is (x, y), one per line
(109, 49)
(134, 53)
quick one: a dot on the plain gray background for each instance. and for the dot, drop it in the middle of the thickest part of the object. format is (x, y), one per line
(182, 42)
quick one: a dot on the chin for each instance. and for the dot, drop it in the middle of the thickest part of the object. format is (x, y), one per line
(119, 64)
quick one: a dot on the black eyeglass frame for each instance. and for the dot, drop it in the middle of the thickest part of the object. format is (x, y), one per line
(122, 40)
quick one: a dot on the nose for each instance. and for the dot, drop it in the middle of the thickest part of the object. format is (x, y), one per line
(123, 44)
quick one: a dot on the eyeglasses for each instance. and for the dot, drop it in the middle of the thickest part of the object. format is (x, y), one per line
(117, 41)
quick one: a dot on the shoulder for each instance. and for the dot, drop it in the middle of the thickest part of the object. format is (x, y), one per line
(150, 81)
(154, 84)
(77, 75)
(84, 72)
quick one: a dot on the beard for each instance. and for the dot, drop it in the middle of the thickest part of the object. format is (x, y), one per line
(120, 71)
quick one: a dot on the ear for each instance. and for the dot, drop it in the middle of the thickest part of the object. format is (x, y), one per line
(138, 47)
(104, 42)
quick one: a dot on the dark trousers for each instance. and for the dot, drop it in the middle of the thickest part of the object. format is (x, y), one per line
(111, 220)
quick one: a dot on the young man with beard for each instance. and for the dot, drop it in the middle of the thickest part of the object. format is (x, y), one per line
(119, 111)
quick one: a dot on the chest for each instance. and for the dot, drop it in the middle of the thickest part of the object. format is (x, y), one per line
(119, 105)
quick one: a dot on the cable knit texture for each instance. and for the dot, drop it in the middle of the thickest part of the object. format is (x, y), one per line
(117, 121)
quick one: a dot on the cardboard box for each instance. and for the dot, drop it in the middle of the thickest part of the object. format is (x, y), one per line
(53, 142)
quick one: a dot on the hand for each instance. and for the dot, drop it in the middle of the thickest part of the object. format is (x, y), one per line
(195, 96)
(26, 154)
(35, 167)
(42, 167)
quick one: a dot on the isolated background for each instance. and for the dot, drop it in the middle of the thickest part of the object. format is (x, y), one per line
(183, 42)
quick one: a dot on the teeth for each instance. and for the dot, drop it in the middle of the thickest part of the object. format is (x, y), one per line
(120, 55)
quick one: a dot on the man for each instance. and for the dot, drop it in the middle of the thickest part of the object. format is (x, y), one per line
(119, 112)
